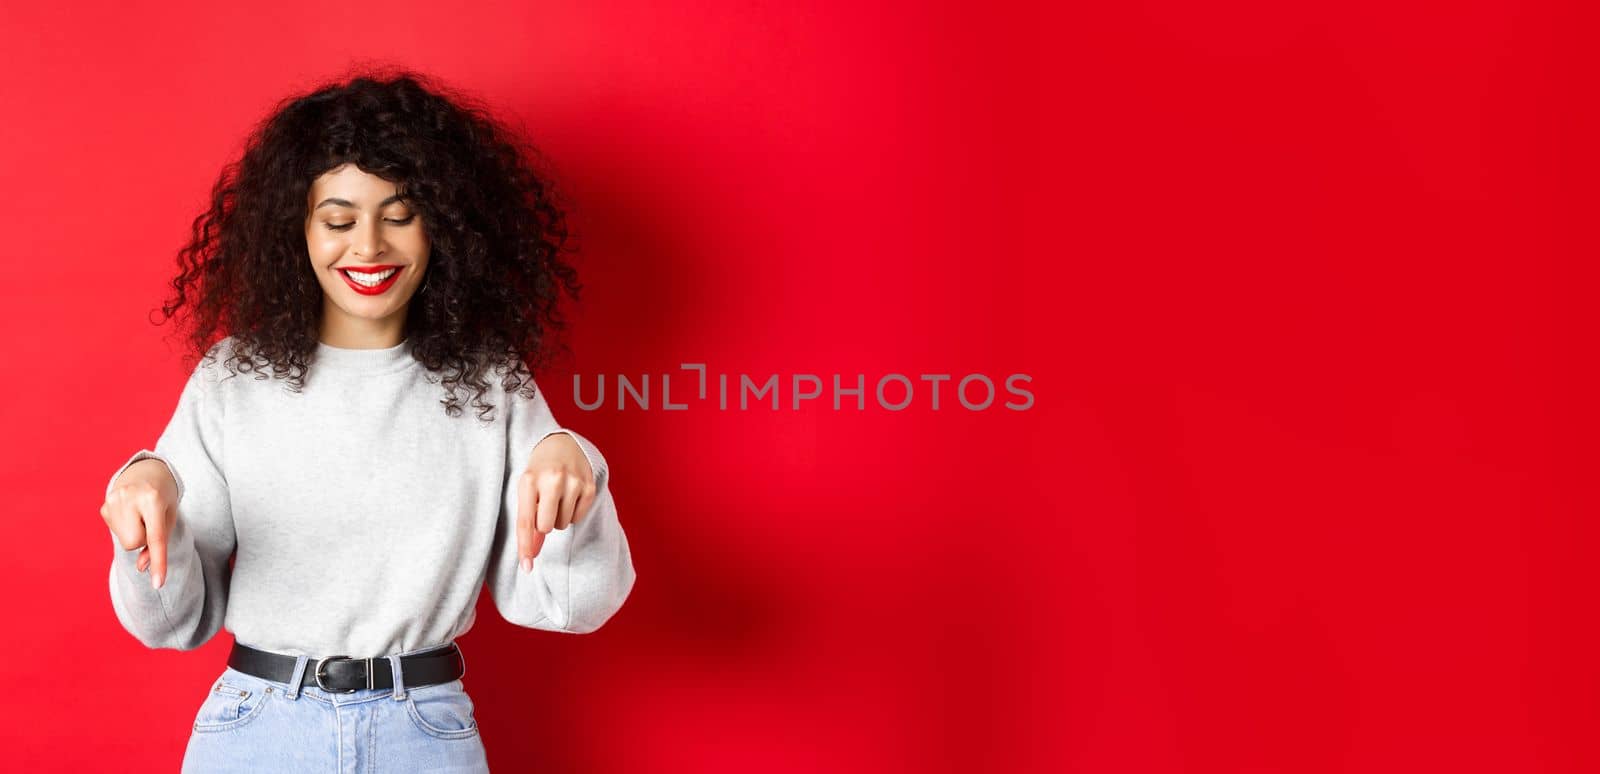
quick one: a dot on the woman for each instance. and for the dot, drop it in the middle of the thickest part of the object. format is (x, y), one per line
(376, 253)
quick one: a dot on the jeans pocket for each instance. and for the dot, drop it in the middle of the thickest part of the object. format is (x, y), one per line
(233, 701)
(443, 710)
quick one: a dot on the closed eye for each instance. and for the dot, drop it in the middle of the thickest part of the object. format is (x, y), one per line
(348, 226)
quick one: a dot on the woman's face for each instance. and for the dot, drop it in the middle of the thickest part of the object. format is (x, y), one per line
(368, 250)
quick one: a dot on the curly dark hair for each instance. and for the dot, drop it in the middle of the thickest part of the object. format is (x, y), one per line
(496, 267)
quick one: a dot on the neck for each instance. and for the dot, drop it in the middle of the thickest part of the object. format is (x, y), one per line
(345, 332)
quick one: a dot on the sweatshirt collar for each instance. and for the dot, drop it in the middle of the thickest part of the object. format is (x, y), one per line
(369, 360)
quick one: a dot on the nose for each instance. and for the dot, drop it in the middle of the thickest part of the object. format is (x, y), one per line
(368, 239)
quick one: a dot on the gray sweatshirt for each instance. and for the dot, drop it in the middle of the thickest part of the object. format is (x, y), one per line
(361, 519)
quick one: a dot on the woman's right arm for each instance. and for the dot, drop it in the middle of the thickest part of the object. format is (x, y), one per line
(173, 500)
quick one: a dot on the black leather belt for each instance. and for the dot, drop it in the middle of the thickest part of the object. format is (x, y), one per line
(342, 674)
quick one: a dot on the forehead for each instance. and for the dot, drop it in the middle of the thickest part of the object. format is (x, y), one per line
(353, 184)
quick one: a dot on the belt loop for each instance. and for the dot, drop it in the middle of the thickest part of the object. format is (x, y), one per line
(299, 675)
(399, 679)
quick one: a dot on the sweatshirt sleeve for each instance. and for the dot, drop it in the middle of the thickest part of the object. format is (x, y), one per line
(583, 573)
(188, 608)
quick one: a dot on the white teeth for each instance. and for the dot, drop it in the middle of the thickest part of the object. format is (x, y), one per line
(376, 279)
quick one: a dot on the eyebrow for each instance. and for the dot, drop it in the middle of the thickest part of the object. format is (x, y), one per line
(346, 203)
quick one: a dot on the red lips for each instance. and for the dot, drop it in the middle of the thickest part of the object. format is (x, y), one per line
(375, 289)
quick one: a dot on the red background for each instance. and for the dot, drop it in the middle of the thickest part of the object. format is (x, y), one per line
(1297, 285)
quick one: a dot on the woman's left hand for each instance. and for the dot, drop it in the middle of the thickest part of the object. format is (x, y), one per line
(554, 492)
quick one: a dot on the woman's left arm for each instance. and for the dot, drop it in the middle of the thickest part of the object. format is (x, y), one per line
(557, 512)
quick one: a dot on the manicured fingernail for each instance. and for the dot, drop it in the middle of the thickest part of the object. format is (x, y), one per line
(527, 564)
(155, 581)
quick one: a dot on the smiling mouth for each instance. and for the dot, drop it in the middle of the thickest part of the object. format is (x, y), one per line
(369, 280)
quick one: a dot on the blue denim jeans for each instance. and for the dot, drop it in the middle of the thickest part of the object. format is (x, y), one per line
(248, 724)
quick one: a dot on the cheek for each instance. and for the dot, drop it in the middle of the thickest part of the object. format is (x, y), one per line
(323, 251)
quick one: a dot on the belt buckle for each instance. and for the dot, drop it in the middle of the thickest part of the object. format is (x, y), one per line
(318, 674)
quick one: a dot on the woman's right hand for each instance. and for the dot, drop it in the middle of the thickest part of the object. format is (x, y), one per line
(140, 510)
